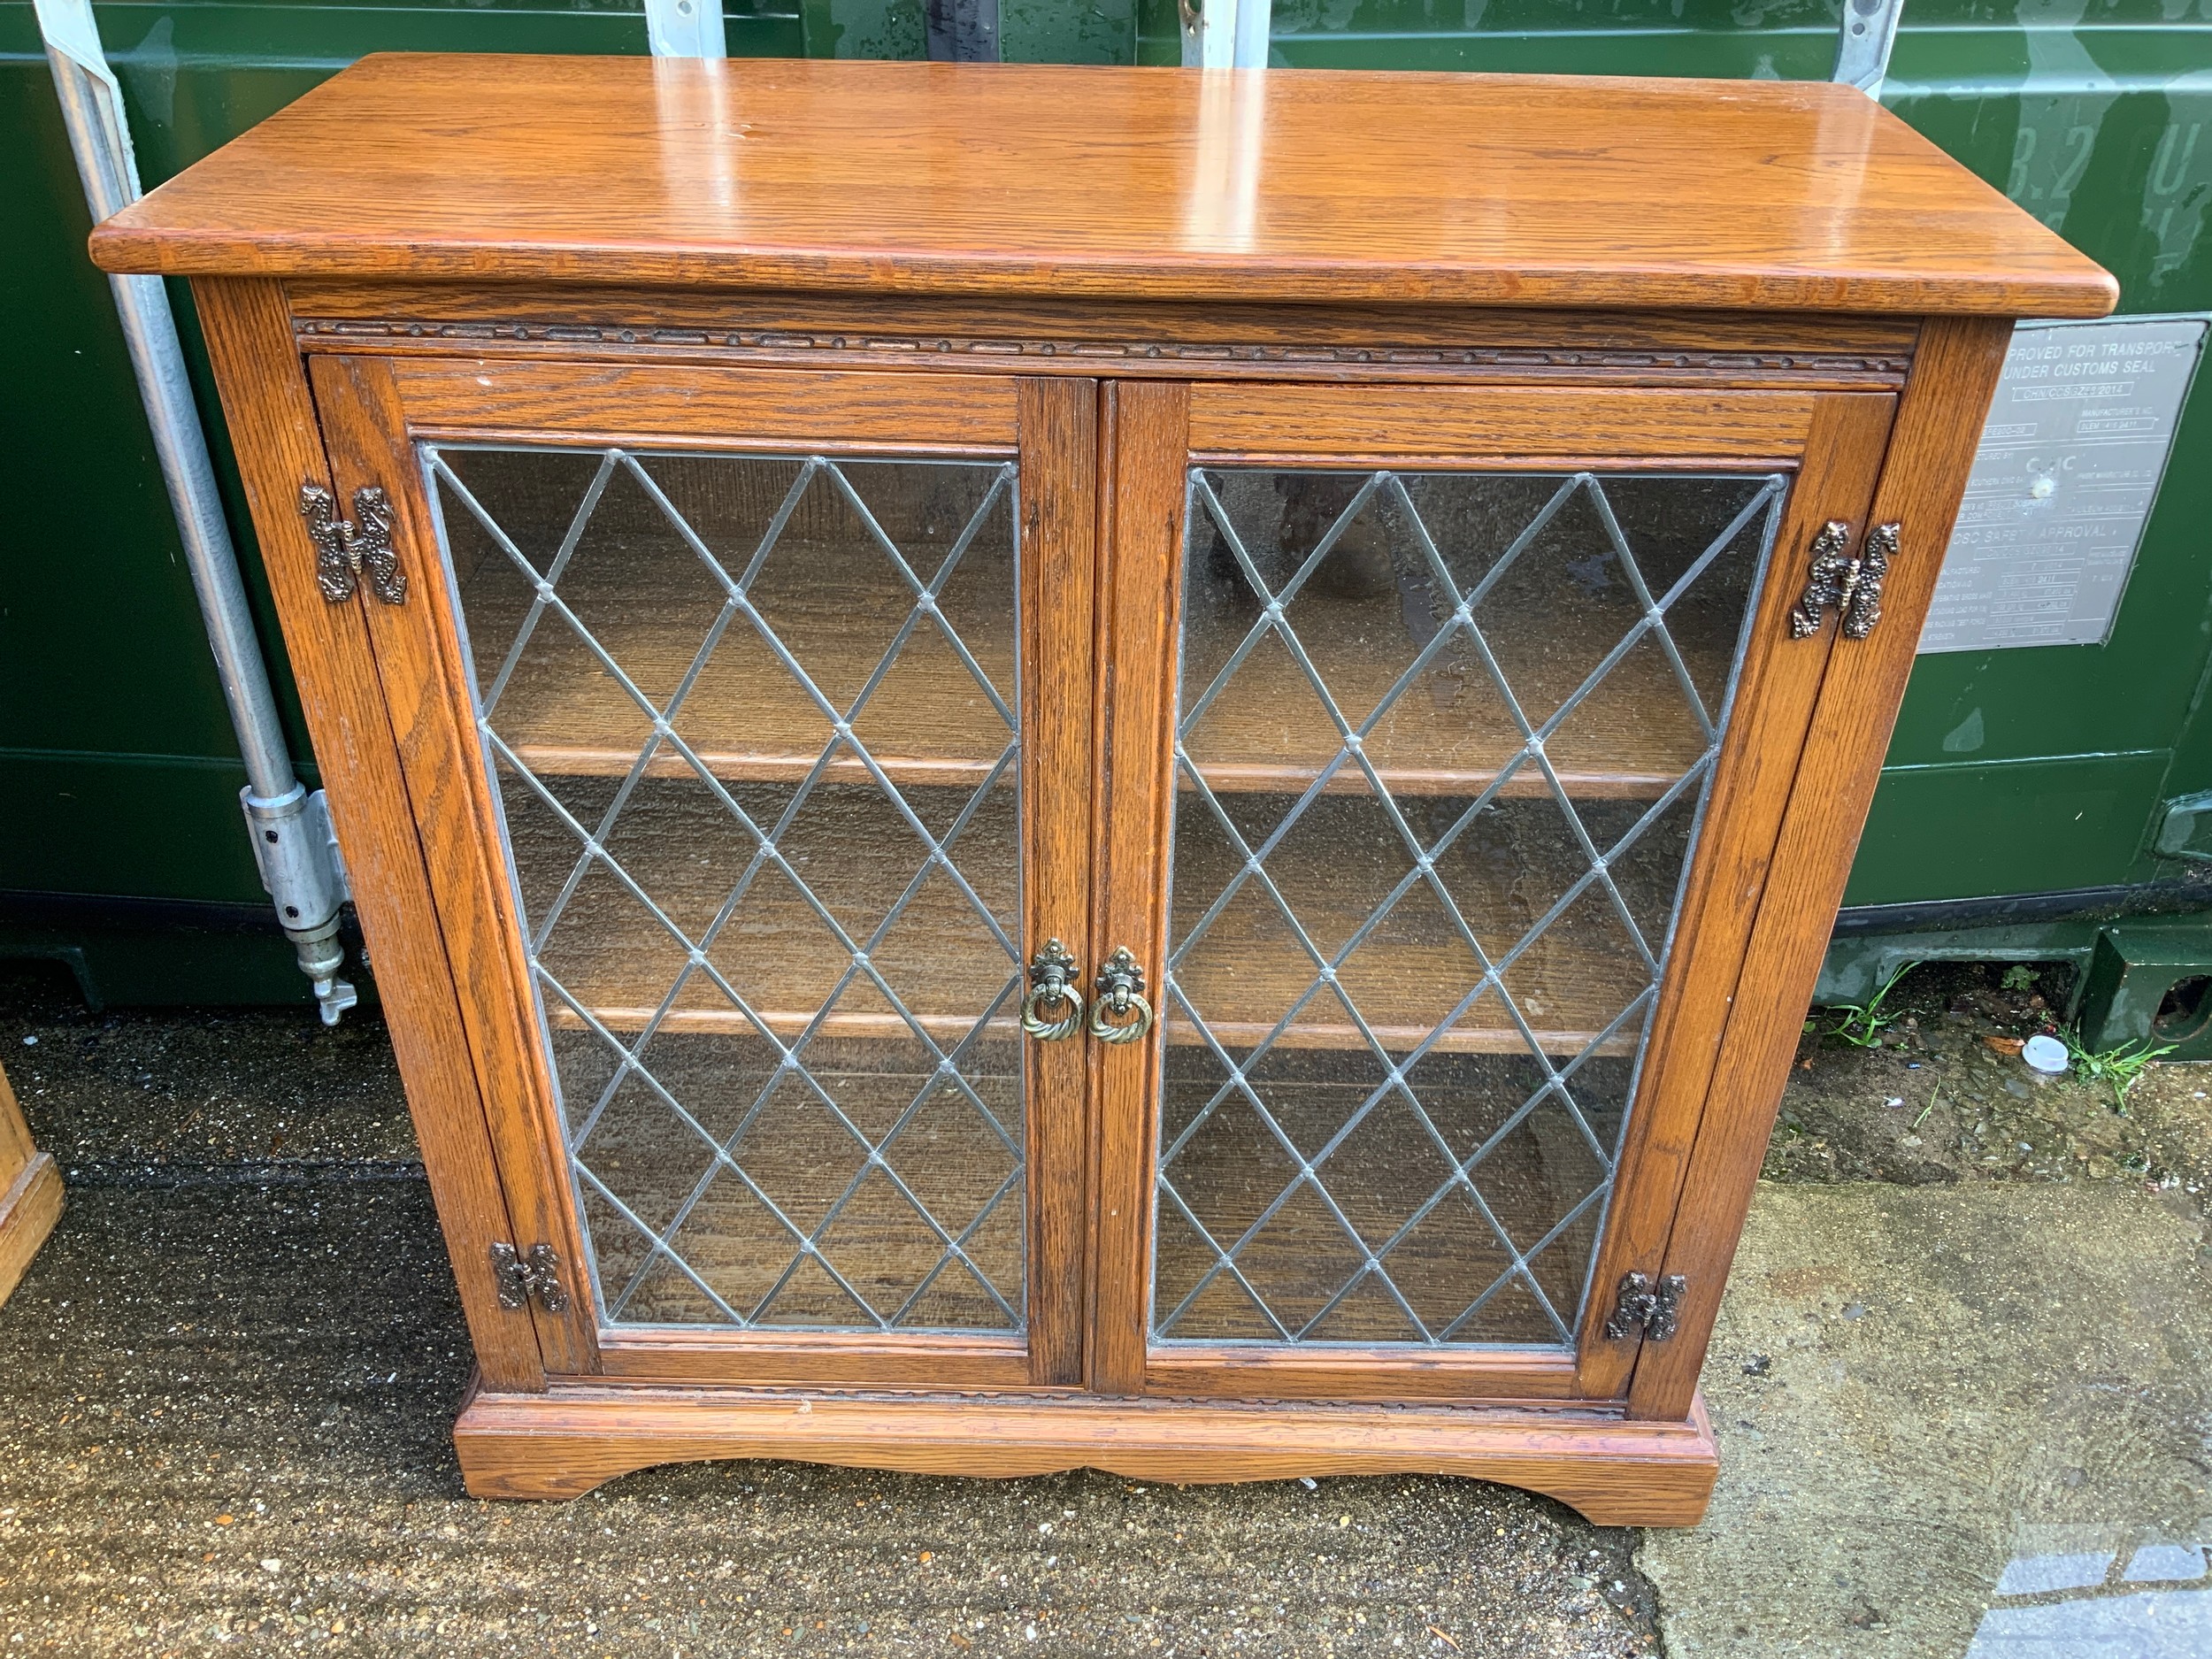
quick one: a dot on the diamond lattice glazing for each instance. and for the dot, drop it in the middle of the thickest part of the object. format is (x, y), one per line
(748, 757)
(1442, 743)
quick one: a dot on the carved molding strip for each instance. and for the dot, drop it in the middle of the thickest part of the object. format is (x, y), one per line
(782, 341)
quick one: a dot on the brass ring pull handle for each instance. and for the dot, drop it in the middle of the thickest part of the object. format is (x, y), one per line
(1121, 994)
(1050, 987)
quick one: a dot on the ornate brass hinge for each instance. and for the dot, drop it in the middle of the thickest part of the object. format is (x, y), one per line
(521, 1275)
(1645, 1310)
(1852, 586)
(346, 550)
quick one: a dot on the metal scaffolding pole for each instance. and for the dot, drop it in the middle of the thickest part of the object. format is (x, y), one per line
(290, 828)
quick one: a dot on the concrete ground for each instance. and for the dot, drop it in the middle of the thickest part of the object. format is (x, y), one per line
(225, 1386)
(1962, 1378)
(1963, 1382)
(1929, 1397)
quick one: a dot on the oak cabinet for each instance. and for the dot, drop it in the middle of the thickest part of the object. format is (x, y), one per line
(1117, 772)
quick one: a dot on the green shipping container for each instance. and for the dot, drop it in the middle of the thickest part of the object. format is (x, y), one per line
(2024, 796)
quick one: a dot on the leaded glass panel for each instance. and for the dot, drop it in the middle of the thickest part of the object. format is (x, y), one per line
(1443, 740)
(750, 723)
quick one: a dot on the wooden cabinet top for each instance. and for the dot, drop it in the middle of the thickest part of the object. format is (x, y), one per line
(1280, 185)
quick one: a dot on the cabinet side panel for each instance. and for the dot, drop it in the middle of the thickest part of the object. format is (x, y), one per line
(272, 425)
(1938, 425)
(1780, 682)
(1146, 440)
(425, 693)
(1059, 522)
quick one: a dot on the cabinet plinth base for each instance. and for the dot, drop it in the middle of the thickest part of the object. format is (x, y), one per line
(566, 1441)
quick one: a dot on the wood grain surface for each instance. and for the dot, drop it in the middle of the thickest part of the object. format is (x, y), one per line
(1617, 1473)
(709, 408)
(1040, 336)
(1059, 554)
(1932, 450)
(29, 1206)
(342, 313)
(1534, 427)
(1252, 1371)
(1230, 185)
(273, 423)
(726, 1358)
(1780, 681)
(446, 794)
(1146, 443)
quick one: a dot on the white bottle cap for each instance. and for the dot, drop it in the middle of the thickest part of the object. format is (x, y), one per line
(2045, 1054)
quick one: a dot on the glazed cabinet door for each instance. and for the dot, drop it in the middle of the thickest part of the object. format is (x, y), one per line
(1451, 729)
(745, 719)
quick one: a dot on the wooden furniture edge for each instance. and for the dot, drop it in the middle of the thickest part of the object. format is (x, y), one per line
(30, 1193)
(1382, 1375)
(124, 249)
(753, 1359)
(1537, 429)
(722, 406)
(1932, 447)
(279, 441)
(1058, 429)
(429, 702)
(394, 309)
(565, 1443)
(1144, 444)
(28, 1211)
(1772, 710)
(294, 197)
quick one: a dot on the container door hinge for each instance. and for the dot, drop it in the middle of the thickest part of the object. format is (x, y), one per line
(521, 1275)
(1641, 1308)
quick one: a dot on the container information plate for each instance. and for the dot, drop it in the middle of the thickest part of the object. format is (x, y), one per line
(2068, 464)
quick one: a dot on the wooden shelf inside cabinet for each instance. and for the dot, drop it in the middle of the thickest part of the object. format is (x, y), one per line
(747, 717)
(615, 959)
(1632, 736)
